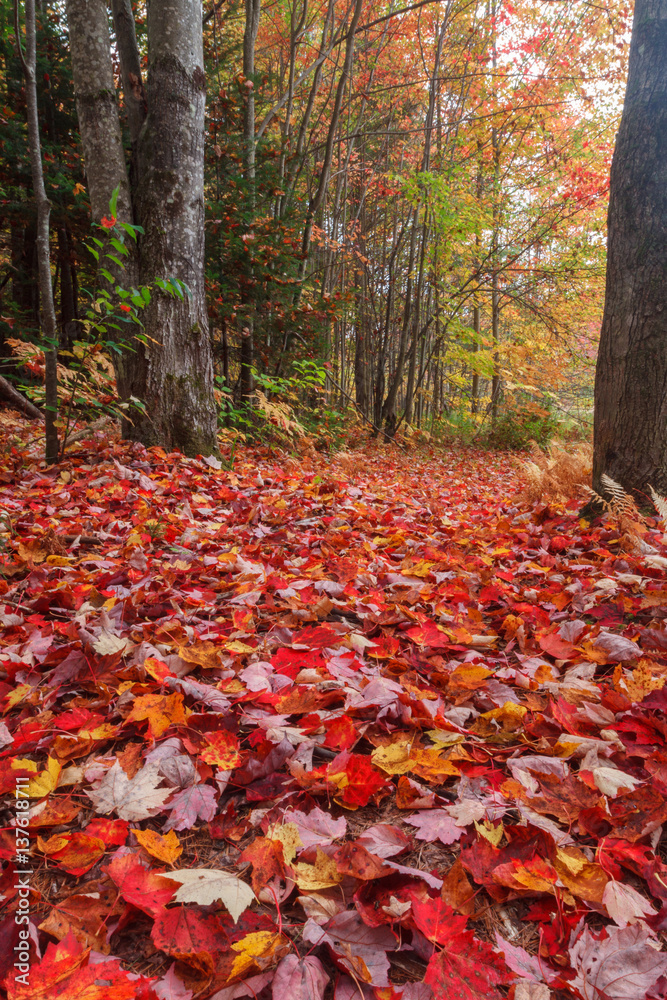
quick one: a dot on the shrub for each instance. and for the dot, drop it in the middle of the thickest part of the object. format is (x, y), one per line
(516, 428)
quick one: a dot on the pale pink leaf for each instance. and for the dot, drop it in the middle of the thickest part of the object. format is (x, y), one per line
(518, 960)
(299, 979)
(248, 988)
(197, 802)
(170, 987)
(624, 904)
(384, 840)
(623, 966)
(435, 824)
(349, 938)
(617, 648)
(316, 827)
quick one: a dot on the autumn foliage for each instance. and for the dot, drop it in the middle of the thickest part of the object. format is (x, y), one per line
(294, 730)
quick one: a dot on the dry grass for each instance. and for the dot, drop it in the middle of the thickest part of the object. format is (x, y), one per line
(557, 473)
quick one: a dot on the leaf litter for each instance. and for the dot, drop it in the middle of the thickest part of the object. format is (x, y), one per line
(381, 729)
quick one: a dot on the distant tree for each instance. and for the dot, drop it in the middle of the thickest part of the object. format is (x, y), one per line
(631, 376)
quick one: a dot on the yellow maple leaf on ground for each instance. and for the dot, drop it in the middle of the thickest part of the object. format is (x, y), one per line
(260, 949)
(165, 848)
(321, 875)
(45, 781)
(160, 711)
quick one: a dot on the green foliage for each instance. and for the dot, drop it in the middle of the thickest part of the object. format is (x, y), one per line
(519, 424)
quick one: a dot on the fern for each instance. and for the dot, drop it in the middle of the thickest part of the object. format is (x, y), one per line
(620, 503)
(556, 472)
(660, 503)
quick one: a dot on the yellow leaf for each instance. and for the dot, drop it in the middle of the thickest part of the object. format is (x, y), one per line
(45, 781)
(236, 646)
(510, 715)
(394, 759)
(160, 710)
(288, 835)
(421, 568)
(494, 834)
(104, 732)
(400, 758)
(429, 764)
(15, 697)
(580, 876)
(51, 845)
(572, 859)
(165, 848)
(322, 875)
(443, 738)
(469, 676)
(256, 949)
(205, 654)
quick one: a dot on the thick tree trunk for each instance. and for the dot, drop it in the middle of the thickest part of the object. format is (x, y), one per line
(173, 374)
(95, 93)
(103, 153)
(631, 374)
(47, 308)
(178, 390)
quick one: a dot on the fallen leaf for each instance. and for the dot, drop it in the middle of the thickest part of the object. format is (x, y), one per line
(132, 799)
(435, 824)
(299, 979)
(189, 805)
(625, 905)
(622, 966)
(221, 750)
(209, 885)
(167, 848)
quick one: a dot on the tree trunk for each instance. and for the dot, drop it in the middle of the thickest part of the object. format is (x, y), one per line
(631, 376)
(252, 12)
(173, 375)
(48, 312)
(178, 390)
(104, 156)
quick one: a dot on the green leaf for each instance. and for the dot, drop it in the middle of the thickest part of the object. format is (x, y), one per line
(114, 201)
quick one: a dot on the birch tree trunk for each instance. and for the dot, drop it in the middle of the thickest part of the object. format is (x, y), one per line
(630, 438)
(47, 308)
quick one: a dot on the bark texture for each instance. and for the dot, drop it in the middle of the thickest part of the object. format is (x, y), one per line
(164, 193)
(170, 204)
(47, 308)
(104, 156)
(95, 93)
(631, 375)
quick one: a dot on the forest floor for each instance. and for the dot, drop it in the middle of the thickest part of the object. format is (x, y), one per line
(306, 728)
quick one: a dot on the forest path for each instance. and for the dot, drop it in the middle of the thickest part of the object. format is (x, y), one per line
(421, 709)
